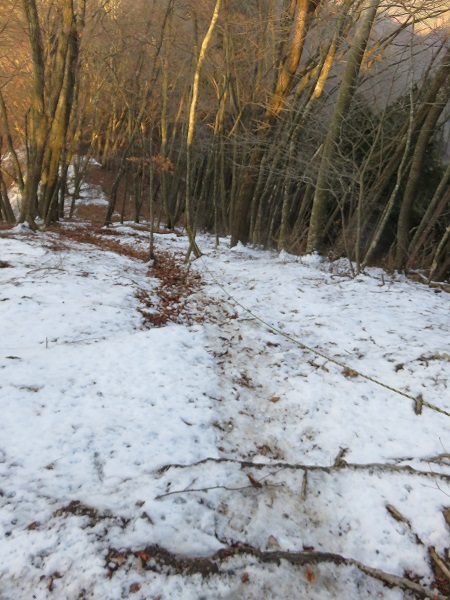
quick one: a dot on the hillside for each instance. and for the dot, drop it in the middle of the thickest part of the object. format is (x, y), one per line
(245, 428)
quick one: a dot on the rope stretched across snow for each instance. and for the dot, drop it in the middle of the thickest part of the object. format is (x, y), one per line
(418, 401)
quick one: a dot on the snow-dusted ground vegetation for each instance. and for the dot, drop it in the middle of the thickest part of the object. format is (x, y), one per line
(217, 453)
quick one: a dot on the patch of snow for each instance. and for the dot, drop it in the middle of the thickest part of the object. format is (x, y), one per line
(117, 437)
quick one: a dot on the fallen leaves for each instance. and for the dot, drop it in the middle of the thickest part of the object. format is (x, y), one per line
(51, 579)
(446, 514)
(347, 372)
(418, 406)
(245, 578)
(310, 575)
(245, 380)
(436, 356)
(144, 556)
(30, 388)
(255, 483)
(97, 237)
(168, 301)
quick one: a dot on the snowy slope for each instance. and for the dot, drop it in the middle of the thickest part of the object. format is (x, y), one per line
(108, 427)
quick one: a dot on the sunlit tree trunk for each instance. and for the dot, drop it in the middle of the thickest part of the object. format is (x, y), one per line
(60, 123)
(6, 211)
(10, 145)
(37, 123)
(190, 220)
(299, 12)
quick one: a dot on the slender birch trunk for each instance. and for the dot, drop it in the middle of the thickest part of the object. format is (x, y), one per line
(190, 220)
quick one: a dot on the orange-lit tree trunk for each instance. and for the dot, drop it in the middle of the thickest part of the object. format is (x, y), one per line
(37, 123)
(299, 12)
(190, 220)
(60, 122)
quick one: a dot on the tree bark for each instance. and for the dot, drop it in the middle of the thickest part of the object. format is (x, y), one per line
(37, 127)
(433, 212)
(288, 67)
(10, 144)
(190, 221)
(60, 122)
(346, 92)
(426, 133)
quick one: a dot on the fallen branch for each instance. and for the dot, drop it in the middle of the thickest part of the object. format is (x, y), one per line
(339, 465)
(304, 486)
(159, 559)
(221, 487)
(440, 563)
(443, 459)
(397, 515)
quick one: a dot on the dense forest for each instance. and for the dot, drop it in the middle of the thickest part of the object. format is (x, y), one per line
(301, 125)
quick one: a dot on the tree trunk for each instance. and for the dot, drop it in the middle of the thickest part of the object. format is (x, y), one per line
(10, 145)
(6, 211)
(346, 92)
(288, 67)
(433, 212)
(60, 124)
(190, 220)
(37, 126)
(415, 172)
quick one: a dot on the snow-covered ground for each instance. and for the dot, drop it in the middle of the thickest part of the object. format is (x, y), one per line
(216, 432)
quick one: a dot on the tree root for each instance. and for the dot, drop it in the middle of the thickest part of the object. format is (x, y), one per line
(157, 559)
(339, 465)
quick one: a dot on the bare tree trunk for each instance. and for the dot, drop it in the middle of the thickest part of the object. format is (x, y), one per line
(37, 129)
(165, 96)
(60, 123)
(6, 211)
(285, 206)
(400, 173)
(9, 142)
(398, 144)
(439, 249)
(151, 218)
(299, 12)
(290, 62)
(113, 192)
(190, 221)
(134, 131)
(346, 92)
(415, 172)
(434, 210)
